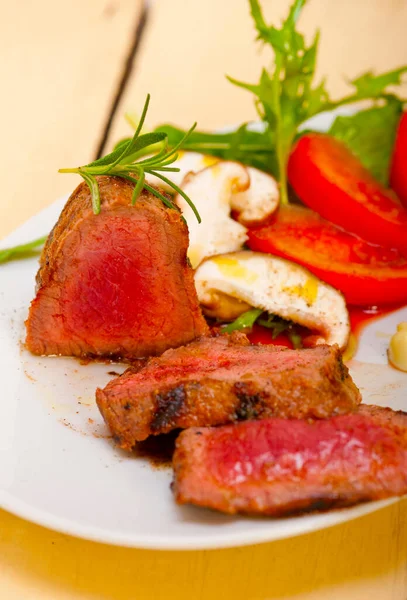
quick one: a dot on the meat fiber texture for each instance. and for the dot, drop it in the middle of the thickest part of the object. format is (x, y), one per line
(117, 284)
(214, 381)
(277, 468)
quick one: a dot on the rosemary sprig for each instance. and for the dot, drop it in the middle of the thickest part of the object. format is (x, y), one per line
(126, 161)
(21, 250)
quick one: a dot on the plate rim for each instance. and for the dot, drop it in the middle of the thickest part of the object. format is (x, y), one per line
(306, 523)
(21, 509)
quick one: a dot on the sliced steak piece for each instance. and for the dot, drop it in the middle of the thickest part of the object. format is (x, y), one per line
(117, 284)
(214, 381)
(276, 467)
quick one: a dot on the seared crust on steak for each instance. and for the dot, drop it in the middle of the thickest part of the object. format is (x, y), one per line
(278, 468)
(214, 381)
(117, 284)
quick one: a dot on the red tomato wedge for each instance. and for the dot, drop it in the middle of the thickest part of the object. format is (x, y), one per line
(328, 178)
(367, 275)
(398, 172)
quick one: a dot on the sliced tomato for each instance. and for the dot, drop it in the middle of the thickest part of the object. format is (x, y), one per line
(328, 178)
(366, 274)
(398, 172)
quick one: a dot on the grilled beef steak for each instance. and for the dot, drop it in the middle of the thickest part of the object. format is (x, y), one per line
(276, 467)
(114, 284)
(214, 381)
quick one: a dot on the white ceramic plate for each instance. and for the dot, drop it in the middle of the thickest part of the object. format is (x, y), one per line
(58, 467)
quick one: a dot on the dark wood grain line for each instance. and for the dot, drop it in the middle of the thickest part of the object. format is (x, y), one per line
(127, 70)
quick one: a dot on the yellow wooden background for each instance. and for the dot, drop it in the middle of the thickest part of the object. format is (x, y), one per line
(62, 67)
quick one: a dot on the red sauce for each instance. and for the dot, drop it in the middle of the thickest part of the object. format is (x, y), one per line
(361, 316)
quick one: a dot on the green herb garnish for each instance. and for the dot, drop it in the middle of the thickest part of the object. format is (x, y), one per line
(246, 320)
(129, 162)
(370, 134)
(244, 145)
(21, 251)
(273, 322)
(279, 325)
(295, 339)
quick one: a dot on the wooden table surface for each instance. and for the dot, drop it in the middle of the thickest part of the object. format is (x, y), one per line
(70, 70)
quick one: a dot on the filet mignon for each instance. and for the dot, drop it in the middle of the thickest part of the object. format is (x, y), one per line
(276, 467)
(214, 381)
(117, 284)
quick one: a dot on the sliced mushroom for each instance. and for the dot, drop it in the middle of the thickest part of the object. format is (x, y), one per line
(211, 191)
(259, 201)
(277, 286)
(255, 204)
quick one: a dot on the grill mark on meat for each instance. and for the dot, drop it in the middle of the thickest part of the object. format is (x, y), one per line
(343, 371)
(169, 407)
(250, 405)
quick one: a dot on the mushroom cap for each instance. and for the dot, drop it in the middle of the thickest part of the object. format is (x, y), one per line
(211, 191)
(277, 286)
(259, 201)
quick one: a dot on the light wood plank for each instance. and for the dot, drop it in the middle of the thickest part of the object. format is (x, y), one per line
(61, 63)
(190, 45)
(361, 559)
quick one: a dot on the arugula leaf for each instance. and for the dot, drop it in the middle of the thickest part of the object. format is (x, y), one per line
(283, 93)
(273, 322)
(21, 250)
(370, 134)
(276, 324)
(252, 148)
(295, 339)
(245, 320)
(370, 85)
(279, 325)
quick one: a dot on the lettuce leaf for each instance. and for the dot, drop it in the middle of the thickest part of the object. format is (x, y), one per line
(370, 134)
